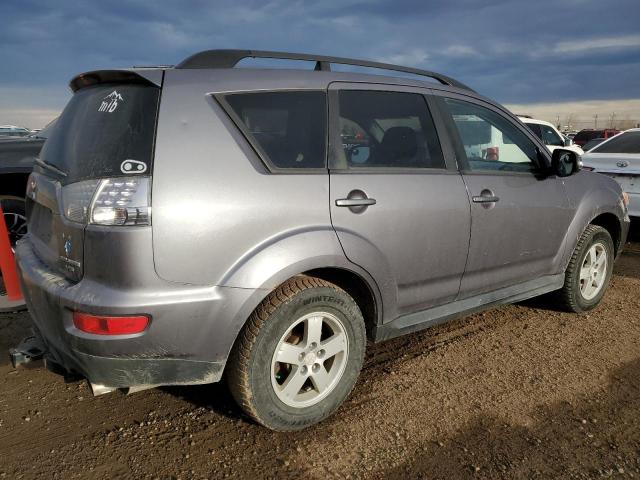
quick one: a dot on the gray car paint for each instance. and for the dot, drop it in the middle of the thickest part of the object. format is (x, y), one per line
(226, 231)
(519, 237)
(416, 236)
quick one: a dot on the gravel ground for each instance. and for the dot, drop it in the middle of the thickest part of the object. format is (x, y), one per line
(520, 391)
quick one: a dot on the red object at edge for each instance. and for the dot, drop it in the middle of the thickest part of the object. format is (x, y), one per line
(8, 263)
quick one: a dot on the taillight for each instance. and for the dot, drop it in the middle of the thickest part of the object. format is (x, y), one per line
(110, 201)
(108, 325)
(76, 199)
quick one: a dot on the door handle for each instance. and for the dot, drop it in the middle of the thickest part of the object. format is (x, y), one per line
(485, 199)
(355, 202)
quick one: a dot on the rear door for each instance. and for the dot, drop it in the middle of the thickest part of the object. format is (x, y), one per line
(519, 216)
(397, 208)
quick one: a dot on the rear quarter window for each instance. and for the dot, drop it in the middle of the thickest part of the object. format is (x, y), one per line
(287, 129)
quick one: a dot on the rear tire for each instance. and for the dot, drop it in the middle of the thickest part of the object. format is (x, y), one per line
(299, 355)
(589, 272)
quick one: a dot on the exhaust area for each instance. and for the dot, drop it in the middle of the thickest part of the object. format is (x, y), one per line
(99, 389)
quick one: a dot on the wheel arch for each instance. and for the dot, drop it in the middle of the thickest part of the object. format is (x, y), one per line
(351, 279)
(611, 224)
(358, 288)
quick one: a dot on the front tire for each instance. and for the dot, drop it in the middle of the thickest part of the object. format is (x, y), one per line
(589, 272)
(299, 355)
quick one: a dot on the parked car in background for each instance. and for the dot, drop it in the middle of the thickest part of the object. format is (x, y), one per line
(13, 131)
(441, 203)
(592, 143)
(583, 136)
(619, 158)
(17, 157)
(549, 134)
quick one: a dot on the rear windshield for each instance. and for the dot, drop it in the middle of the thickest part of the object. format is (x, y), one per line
(628, 142)
(100, 128)
(588, 135)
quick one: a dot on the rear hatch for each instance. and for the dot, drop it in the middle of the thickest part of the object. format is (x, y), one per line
(99, 153)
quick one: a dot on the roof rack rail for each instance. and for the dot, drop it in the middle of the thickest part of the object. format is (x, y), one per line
(230, 58)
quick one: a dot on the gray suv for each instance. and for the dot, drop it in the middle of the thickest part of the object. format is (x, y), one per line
(197, 220)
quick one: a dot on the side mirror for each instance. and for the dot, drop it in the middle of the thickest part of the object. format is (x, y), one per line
(567, 142)
(565, 162)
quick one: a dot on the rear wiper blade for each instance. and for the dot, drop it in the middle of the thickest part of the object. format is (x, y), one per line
(50, 167)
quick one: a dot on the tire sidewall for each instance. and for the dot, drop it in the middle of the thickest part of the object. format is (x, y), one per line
(603, 237)
(273, 412)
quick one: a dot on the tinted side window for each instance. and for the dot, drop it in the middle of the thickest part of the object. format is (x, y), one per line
(387, 129)
(490, 141)
(535, 128)
(550, 137)
(288, 128)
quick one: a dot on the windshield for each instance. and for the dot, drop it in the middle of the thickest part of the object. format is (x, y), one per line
(627, 142)
(100, 128)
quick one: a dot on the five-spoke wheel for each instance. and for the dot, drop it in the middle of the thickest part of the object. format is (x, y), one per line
(593, 271)
(309, 359)
(589, 270)
(299, 355)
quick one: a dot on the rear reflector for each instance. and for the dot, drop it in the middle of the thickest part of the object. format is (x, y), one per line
(103, 325)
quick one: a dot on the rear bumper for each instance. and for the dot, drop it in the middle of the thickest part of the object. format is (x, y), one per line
(187, 342)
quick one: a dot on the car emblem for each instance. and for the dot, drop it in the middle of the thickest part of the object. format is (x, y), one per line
(622, 164)
(67, 247)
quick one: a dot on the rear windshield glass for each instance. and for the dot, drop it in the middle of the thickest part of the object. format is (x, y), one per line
(628, 142)
(287, 128)
(587, 135)
(100, 128)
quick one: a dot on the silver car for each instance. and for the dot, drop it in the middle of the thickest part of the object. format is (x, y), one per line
(619, 158)
(205, 219)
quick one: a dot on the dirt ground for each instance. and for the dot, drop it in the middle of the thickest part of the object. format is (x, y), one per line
(521, 391)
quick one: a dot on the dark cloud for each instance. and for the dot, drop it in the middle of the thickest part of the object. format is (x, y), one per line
(514, 51)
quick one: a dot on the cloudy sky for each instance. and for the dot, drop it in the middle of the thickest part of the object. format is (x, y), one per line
(550, 56)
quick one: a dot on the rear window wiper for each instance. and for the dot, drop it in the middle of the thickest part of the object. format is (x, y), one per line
(48, 166)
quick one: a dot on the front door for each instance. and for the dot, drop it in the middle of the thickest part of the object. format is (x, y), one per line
(398, 211)
(519, 216)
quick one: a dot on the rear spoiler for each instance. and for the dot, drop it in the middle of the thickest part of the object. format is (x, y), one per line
(147, 76)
